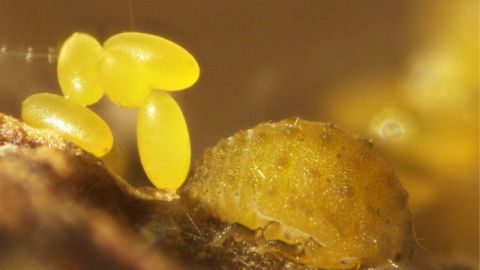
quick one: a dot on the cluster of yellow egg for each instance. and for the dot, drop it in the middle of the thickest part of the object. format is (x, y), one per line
(127, 69)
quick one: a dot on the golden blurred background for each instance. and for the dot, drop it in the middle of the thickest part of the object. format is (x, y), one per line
(403, 73)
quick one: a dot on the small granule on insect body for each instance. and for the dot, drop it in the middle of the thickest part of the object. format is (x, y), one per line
(325, 197)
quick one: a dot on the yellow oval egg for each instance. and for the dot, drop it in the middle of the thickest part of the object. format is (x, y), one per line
(77, 69)
(170, 66)
(74, 122)
(124, 79)
(163, 141)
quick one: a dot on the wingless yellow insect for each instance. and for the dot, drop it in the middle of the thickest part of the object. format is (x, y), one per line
(324, 198)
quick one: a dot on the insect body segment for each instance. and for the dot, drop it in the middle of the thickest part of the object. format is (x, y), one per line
(127, 69)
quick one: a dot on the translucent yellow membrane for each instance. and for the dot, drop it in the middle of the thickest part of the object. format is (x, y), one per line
(163, 141)
(77, 69)
(75, 122)
(170, 66)
(123, 78)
